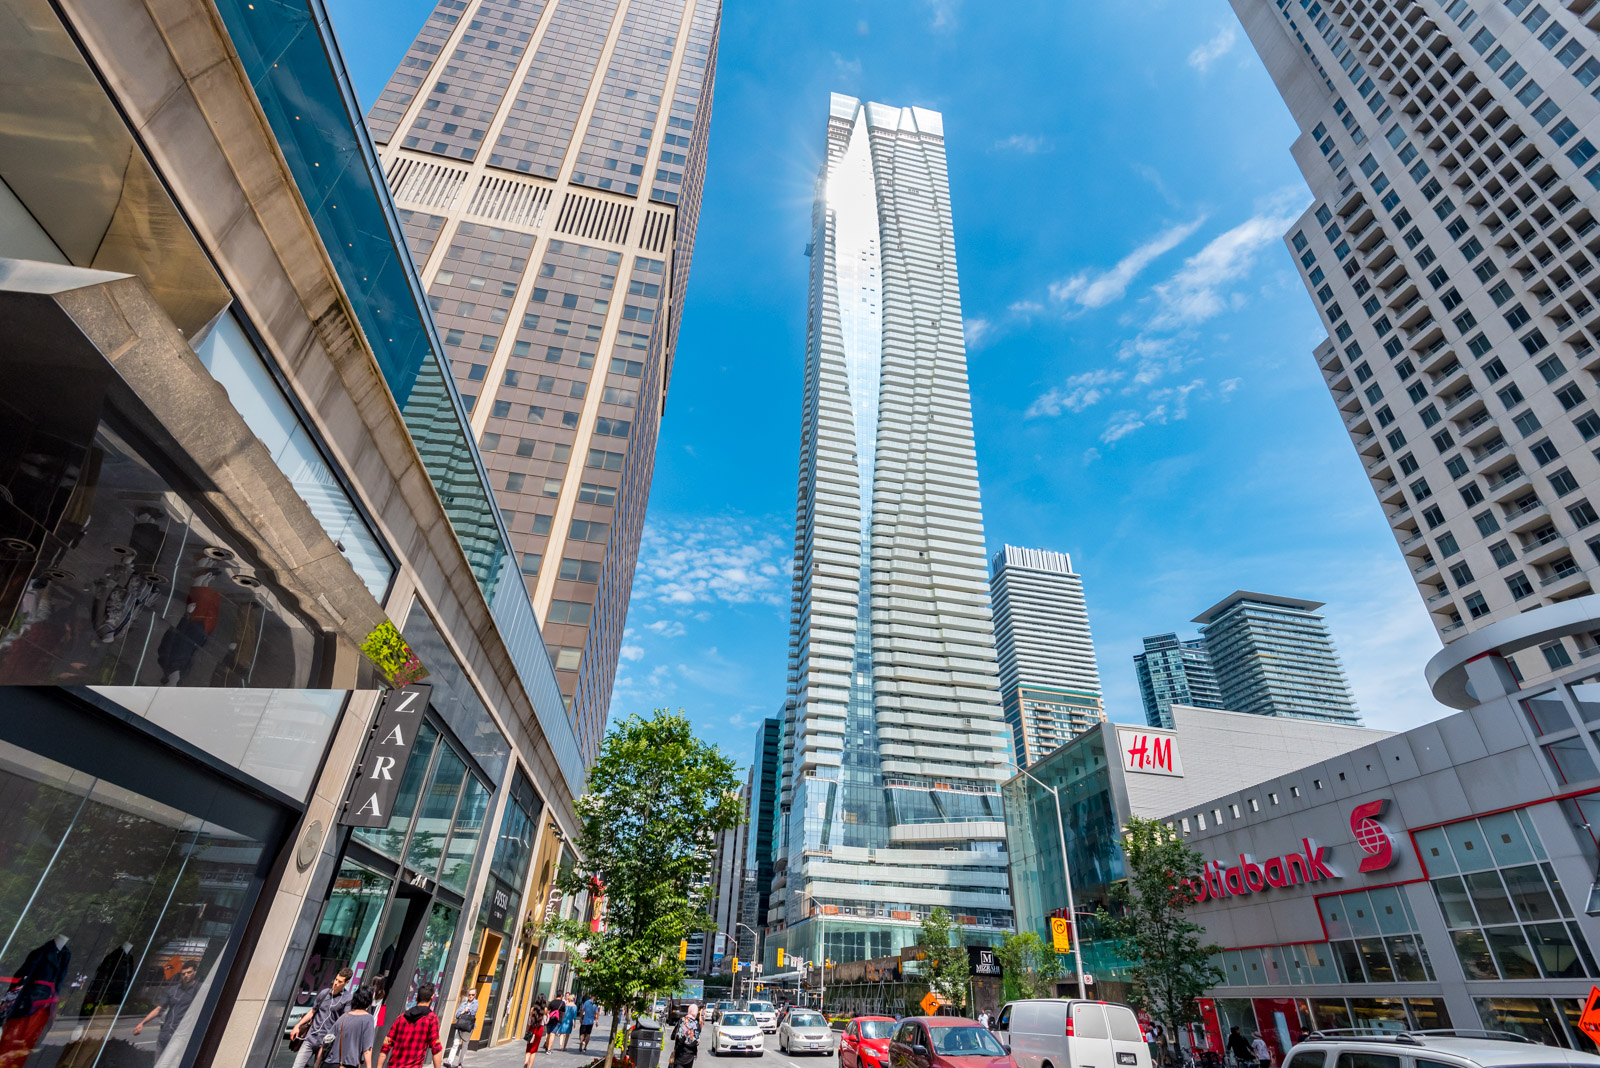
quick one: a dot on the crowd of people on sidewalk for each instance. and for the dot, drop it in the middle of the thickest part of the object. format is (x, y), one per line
(552, 1021)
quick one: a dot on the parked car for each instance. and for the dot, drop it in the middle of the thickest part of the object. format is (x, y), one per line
(1445, 1049)
(736, 1032)
(1064, 1033)
(764, 1013)
(805, 1031)
(946, 1042)
(865, 1042)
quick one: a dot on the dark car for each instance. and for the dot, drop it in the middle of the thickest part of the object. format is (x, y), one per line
(865, 1042)
(946, 1042)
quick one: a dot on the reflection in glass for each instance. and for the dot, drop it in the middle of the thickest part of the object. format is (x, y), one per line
(1529, 894)
(466, 831)
(114, 911)
(345, 935)
(436, 939)
(1533, 1018)
(438, 807)
(1558, 958)
(1512, 953)
(1489, 898)
(1473, 952)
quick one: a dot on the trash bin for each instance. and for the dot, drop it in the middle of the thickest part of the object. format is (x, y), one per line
(644, 1049)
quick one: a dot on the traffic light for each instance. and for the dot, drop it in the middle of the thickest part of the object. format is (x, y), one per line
(780, 958)
(736, 964)
(683, 949)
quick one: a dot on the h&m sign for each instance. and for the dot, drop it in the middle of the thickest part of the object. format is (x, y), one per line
(1149, 752)
(377, 780)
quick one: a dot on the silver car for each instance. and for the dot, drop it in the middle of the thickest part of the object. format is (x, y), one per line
(803, 1031)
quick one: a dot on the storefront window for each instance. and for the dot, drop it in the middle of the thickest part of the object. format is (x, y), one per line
(464, 836)
(438, 809)
(115, 910)
(1510, 917)
(392, 839)
(435, 950)
(346, 933)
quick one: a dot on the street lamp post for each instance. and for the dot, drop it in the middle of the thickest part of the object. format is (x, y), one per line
(1066, 873)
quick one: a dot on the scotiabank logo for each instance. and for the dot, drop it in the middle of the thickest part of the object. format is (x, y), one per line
(1248, 877)
(1373, 837)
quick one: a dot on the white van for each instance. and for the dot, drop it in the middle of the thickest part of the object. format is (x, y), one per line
(1058, 1033)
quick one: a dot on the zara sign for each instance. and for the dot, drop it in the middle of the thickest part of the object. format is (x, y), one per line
(377, 782)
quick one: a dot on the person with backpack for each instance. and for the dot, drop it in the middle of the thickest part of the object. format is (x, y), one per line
(414, 1035)
(686, 1038)
(354, 1034)
(552, 1021)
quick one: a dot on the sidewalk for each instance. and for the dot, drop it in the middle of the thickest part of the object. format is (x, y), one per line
(510, 1054)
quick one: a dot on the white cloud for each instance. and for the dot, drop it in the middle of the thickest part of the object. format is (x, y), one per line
(1096, 289)
(1121, 425)
(846, 68)
(1220, 45)
(1177, 397)
(703, 561)
(1229, 385)
(977, 332)
(667, 628)
(1027, 144)
(1196, 292)
(944, 13)
(1025, 307)
(1075, 394)
(631, 652)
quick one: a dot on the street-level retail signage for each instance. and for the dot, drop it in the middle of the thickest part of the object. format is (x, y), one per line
(377, 781)
(981, 960)
(1248, 877)
(1149, 752)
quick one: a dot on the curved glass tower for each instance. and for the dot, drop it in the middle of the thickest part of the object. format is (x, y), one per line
(896, 739)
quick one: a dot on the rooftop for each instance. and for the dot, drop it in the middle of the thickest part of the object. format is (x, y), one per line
(1210, 614)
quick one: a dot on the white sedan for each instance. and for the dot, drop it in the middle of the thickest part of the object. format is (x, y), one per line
(807, 1032)
(736, 1032)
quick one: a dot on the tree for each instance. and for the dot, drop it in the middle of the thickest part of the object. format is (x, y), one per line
(1031, 968)
(945, 963)
(656, 799)
(1170, 967)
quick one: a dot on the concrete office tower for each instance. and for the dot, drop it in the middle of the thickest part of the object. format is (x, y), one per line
(899, 742)
(546, 157)
(1448, 247)
(1273, 656)
(1173, 672)
(1049, 684)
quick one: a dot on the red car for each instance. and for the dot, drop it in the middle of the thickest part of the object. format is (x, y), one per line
(946, 1042)
(865, 1042)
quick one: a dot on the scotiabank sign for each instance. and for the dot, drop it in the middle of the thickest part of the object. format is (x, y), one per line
(1248, 877)
(1309, 864)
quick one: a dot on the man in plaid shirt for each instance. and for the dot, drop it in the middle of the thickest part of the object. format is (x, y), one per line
(412, 1037)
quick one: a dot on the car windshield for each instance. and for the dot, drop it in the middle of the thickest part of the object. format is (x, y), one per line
(760, 1006)
(726, 1005)
(968, 1041)
(877, 1028)
(806, 1019)
(738, 1019)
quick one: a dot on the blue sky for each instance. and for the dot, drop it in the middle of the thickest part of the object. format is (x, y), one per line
(1143, 392)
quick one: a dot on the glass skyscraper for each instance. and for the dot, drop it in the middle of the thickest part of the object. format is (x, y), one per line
(1173, 672)
(546, 158)
(1273, 656)
(895, 741)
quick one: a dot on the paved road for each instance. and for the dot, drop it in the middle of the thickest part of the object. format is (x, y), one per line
(510, 1056)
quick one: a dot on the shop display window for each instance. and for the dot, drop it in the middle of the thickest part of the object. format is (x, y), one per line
(1377, 1014)
(1499, 895)
(1551, 1021)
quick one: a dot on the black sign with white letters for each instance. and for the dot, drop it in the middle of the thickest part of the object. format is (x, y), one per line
(377, 781)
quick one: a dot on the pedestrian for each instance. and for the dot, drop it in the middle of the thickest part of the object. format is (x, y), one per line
(686, 1038)
(414, 1035)
(316, 1027)
(586, 1018)
(1239, 1046)
(552, 1021)
(463, 1025)
(174, 1002)
(1263, 1055)
(355, 1033)
(535, 1030)
(569, 1017)
(983, 1018)
(380, 994)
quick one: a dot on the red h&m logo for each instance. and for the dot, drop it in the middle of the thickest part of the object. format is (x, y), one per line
(1373, 837)
(1149, 752)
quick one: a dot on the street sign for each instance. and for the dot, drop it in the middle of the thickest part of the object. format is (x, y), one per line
(1590, 1020)
(931, 1003)
(1060, 934)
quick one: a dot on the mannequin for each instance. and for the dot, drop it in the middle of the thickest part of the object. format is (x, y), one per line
(105, 991)
(37, 991)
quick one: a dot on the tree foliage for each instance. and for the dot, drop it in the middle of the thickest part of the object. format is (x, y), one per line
(1170, 965)
(945, 964)
(1031, 968)
(656, 799)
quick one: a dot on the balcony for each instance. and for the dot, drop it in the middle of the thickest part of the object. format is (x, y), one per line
(1461, 398)
(1451, 628)
(1563, 577)
(1534, 510)
(1507, 477)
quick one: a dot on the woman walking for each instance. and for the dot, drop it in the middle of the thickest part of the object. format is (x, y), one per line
(552, 1020)
(569, 1019)
(686, 1038)
(536, 1017)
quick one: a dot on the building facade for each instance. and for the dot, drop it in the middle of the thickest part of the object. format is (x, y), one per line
(1049, 681)
(893, 707)
(761, 851)
(1174, 672)
(547, 157)
(1448, 149)
(1439, 878)
(242, 508)
(1273, 656)
(1118, 770)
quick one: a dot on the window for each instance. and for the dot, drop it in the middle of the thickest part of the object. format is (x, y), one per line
(1433, 516)
(1396, 439)
(575, 613)
(1476, 604)
(1408, 464)
(1556, 655)
(1510, 395)
(1430, 416)
(1517, 316)
(1487, 524)
(541, 524)
(1456, 466)
(1404, 369)
(1299, 238)
(1588, 425)
(1526, 422)
(1485, 270)
(606, 461)
(1479, 346)
(1443, 441)
(1437, 277)
(1374, 393)
(1583, 514)
(1544, 452)
(1447, 545)
(514, 480)
(1563, 482)
(1570, 396)
(1501, 551)
(1582, 152)
(1519, 586)
(1461, 574)
(1417, 391)
(1412, 237)
(489, 442)
(1552, 368)
(580, 570)
(502, 409)
(1420, 490)
(1363, 372)
(1495, 370)
(1384, 416)
(1425, 257)
(1465, 321)
(1563, 131)
(1471, 495)
(1482, 40)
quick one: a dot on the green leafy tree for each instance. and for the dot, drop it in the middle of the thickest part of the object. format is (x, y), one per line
(1170, 966)
(1031, 968)
(656, 800)
(945, 961)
